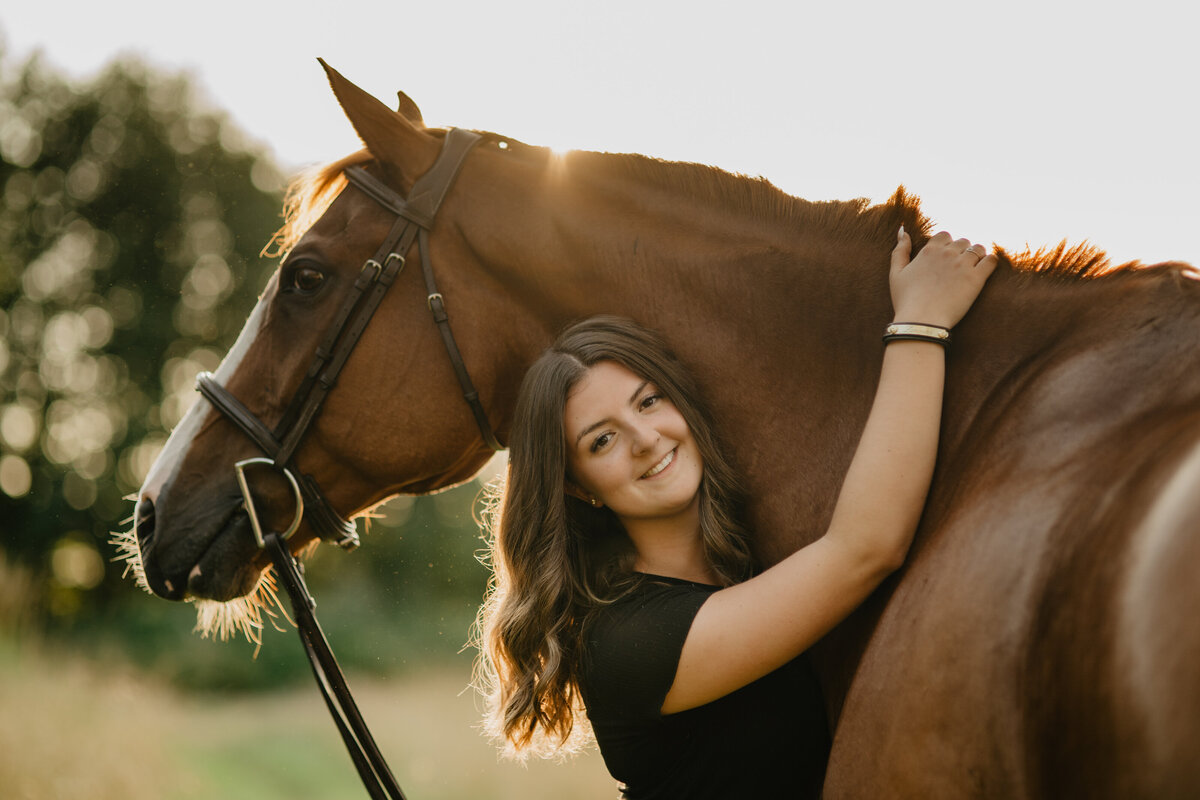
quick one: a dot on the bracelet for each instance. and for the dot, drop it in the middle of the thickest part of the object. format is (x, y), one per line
(917, 332)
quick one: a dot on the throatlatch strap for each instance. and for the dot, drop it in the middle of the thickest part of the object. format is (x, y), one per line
(437, 304)
(420, 207)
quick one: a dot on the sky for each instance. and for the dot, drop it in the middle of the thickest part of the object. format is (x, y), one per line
(1017, 123)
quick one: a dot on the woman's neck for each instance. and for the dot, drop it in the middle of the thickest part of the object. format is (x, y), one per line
(671, 547)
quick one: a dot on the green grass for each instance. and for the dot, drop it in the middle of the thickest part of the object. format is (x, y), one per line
(70, 727)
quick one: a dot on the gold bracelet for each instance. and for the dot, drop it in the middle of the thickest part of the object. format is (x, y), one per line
(917, 332)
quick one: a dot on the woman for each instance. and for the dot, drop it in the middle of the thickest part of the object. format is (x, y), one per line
(623, 581)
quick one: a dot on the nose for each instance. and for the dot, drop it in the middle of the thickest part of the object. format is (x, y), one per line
(644, 438)
(143, 524)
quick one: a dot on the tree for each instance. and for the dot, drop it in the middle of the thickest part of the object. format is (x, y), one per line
(130, 225)
(131, 221)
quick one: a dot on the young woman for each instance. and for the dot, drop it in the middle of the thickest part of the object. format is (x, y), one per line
(623, 581)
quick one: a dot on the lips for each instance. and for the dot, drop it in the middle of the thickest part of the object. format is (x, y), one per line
(667, 460)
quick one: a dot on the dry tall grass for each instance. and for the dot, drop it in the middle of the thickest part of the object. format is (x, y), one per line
(69, 730)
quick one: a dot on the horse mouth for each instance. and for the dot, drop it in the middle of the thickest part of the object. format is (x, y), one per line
(222, 567)
(230, 566)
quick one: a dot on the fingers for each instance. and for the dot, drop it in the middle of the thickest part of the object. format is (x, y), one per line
(940, 283)
(902, 251)
(943, 245)
(986, 265)
(961, 247)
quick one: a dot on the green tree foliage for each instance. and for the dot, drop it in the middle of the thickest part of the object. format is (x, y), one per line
(131, 219)
(129, 229)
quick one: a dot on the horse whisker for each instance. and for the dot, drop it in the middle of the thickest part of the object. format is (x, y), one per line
(218, 620)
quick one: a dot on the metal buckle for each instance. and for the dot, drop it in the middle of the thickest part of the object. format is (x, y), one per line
(389, 272)
(429, 300)
(252, 512)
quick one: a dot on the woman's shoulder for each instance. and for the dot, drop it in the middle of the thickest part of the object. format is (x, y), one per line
(653, 607)
(630, 647)
(646, 595)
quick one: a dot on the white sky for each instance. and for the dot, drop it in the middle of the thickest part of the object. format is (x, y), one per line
(1016, 122)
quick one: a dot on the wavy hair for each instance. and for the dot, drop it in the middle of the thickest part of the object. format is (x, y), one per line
(554, 557)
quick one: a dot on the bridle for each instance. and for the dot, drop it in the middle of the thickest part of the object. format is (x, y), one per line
(414, 218)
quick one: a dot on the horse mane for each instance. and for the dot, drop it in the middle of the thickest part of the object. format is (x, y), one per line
(1081, 261)
(848, 220)
(755, 196)
(311, 193)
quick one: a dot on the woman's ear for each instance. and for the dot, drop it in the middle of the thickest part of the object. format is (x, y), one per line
(572, 489)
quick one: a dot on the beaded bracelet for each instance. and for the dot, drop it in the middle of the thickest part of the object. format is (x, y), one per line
(916, 332)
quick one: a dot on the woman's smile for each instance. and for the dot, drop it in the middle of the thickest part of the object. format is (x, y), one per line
(660, 466)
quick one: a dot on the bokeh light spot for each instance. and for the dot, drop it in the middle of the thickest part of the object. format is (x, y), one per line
(16, 479)
(79, 492)
(76, 564)
(18, 427)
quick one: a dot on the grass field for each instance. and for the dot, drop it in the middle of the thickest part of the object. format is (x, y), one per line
(71, 730)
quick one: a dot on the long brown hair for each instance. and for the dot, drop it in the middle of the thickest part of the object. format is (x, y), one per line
(555, 558)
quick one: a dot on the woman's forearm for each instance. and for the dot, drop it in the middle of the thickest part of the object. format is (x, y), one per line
(746, 630)
(884, 492)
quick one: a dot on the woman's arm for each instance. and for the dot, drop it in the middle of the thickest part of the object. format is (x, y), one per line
(745, 631)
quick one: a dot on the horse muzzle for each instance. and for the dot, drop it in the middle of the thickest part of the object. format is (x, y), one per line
(213, 556)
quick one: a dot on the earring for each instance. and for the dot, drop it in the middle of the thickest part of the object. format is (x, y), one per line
(595, 503)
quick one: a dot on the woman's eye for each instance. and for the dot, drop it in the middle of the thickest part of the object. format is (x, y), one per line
(650, 400)
(600, 441)
(307, 279)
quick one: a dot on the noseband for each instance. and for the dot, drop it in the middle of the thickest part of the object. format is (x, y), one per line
(414, 218)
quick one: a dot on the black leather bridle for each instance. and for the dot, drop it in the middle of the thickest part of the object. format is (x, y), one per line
(414, 218)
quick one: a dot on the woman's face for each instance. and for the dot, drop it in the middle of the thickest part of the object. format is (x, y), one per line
(629, 447)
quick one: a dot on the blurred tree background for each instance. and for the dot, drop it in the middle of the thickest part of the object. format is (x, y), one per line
(131, 220)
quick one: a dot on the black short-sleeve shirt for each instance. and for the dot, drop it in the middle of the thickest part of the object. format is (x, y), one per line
(766, 740)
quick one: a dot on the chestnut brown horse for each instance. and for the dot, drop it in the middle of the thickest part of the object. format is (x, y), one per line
(1042, 640)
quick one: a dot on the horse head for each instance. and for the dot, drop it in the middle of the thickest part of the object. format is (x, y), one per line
(395, 422)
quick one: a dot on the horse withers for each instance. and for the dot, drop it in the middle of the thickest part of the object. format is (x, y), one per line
(1042, 639)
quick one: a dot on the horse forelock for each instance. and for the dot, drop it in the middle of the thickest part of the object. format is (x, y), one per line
(308, 197)
(310, 194)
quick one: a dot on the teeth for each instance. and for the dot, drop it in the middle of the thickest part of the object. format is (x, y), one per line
(660, 466)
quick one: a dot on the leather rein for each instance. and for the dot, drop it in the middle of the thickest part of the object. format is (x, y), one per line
(414, 217)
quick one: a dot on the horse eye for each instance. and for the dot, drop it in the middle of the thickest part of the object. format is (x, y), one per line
(307, 279)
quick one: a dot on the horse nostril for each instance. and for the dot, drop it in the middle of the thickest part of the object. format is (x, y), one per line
(145, 523)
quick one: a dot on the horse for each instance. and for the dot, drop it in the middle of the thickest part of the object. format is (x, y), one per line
(1041, 640)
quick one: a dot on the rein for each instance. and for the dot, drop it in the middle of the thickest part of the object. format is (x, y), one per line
(414, 217)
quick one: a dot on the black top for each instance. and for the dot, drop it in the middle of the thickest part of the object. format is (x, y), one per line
(766, 740)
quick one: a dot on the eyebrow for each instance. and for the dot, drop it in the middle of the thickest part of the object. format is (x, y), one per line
(632, 399)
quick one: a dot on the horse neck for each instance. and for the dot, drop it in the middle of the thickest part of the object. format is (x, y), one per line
(775, 304)
(1042, 349)
(603, 232)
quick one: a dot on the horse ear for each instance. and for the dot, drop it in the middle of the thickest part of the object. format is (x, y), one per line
(409, 109)
(403, 150)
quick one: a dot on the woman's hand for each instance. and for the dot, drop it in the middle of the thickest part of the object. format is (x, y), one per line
(940, 284)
